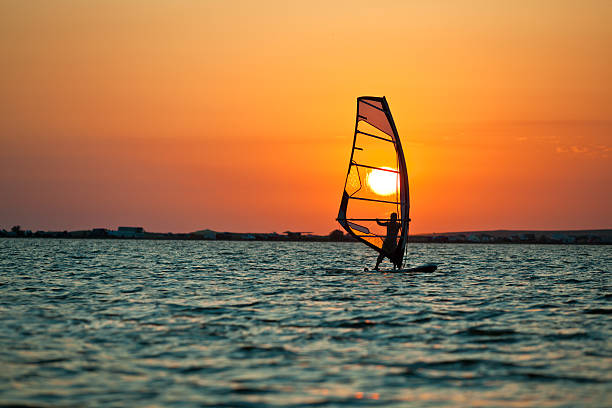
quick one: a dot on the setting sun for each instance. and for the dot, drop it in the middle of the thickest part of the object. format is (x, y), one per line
(383, 182)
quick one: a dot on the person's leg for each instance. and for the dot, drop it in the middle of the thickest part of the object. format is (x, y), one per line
(379, 260)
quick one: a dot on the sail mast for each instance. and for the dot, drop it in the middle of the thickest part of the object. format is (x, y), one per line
(404, 189)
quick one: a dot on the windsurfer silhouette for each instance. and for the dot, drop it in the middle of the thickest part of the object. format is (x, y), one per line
(390, 241)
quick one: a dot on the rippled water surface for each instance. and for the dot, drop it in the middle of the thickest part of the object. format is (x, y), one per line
(194, 323)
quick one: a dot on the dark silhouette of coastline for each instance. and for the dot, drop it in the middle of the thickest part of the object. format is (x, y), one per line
(202, 235)
(580, 237)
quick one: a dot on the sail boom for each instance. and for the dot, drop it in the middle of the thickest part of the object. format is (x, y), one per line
(368, 219)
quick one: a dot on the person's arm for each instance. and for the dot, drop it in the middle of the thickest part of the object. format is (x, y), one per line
(382, 224)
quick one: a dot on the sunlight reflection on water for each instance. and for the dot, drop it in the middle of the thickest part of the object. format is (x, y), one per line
(255, 324)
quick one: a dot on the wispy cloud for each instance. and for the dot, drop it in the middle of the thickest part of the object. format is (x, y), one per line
(598, 150)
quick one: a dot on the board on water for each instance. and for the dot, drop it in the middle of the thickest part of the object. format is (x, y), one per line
(419, 268)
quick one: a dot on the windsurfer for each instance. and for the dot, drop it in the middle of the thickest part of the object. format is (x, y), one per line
(390, 242)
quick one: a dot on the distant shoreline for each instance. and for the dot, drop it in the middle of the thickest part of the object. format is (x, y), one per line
(567, 237)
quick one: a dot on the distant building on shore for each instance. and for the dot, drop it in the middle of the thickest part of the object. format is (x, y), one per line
(206, 234)
(128, 232)
(99, 232)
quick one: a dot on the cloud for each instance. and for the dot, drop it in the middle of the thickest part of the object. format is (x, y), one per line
(596, 150)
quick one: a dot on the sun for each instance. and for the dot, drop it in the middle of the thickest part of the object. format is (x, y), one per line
(383, 182)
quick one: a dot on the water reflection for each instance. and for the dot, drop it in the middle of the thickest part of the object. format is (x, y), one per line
(230, 323)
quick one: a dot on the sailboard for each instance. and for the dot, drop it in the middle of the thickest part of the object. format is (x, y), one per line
(376, 183)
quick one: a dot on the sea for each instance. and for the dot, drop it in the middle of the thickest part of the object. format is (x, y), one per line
(296, 324)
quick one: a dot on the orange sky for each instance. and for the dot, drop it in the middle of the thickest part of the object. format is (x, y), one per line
(238, 115)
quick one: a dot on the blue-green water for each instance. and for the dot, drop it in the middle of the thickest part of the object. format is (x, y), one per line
(179, 323)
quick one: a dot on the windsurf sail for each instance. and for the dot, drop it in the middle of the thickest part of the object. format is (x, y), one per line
(376, 183)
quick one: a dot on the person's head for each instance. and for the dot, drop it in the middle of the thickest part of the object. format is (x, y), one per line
(393, 217)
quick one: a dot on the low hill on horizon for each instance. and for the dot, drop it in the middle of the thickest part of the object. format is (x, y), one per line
(508, 232)
(502, 233)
